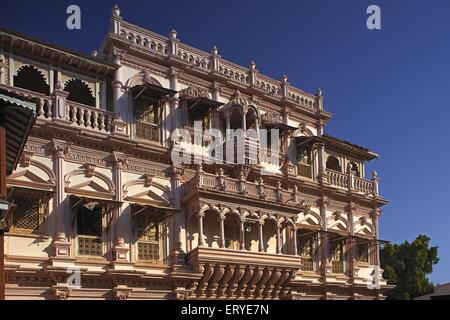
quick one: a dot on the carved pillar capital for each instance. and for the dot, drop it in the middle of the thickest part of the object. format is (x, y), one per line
(60, 148)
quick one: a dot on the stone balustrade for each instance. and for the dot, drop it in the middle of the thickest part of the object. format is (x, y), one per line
(211, 63)
(351, 182)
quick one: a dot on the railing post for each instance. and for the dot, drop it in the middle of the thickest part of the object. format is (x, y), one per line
(60, 96)
(351, 176)
(375, 183)
(284, 87)
(215, 58)
(252, 73)
(173, 42)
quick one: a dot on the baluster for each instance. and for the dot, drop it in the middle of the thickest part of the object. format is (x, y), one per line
(41, 108)
(74, 115)
(50, 106)
(88, 118)
(95, 118)
(102, 122)
(81, 117)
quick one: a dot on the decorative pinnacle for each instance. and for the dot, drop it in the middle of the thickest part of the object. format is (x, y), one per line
(284, 78)
(116, 11)
(319, 92)
(173, 34)
(252, 65)
(215, 50)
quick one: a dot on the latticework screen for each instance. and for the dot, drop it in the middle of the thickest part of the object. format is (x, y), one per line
(29, 213)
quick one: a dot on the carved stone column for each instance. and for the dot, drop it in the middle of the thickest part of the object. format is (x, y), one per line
(278, 227)
(325, 266)
(201, 237)
(261, 235)
(61, 245)
(120, 249)
(222, 218)
(242, 234)
(179, 224)
(294, 235)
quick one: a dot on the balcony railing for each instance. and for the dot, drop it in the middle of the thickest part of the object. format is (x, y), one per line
(148, 251)
(259, 190)
(337, 266)
(350, 182)
(87, 117)
(242, 273)
(90, 246)
(77, 115)
(163, 48)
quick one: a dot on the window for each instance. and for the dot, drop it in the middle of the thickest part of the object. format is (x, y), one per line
(336, 255)
(354, 167)
(333, 164)
(29, 213)
(231, 235)
(30, 78)
(306, 247)
(90, 229)
(147, 119)
(148, 231)
(79, 92)
(363, 252)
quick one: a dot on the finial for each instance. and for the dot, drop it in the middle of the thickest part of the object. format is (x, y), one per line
(284, 78)
(116, 11)
(252, 65)
(319, 92)
(173, 34)
(374, 174)
(94, 53)
(214, 50)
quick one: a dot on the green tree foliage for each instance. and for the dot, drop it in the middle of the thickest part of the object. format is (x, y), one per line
(407, 266)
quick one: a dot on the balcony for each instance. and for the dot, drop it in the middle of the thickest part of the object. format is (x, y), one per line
(242, 273)
(76, 115)
(241, 188)
(348, 181)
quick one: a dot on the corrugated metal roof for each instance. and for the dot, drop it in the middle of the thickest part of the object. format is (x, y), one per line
(18, 117)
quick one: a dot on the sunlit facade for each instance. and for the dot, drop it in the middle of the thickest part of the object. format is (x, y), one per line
(97, 194)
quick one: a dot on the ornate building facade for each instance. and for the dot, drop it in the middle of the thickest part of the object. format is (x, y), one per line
(98, 199)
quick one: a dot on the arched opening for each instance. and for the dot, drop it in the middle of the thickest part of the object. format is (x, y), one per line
(251, 119)
(251, 228)
(232, 229)
(30, 78)
(270, 236)
(333, 164)
(354, 167)
(211, 229)
(79, 92)
(192, 233)
(236, 119)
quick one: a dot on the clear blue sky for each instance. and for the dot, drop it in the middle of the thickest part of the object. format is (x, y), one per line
(388, 90)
